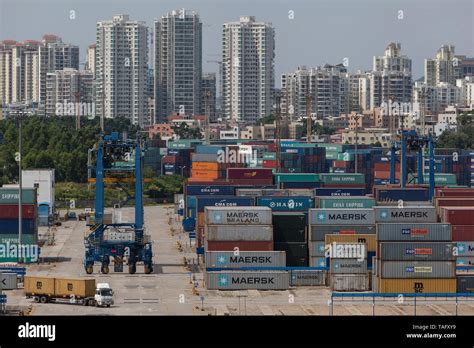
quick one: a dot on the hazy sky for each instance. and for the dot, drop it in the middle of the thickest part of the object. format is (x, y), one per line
(322, 31)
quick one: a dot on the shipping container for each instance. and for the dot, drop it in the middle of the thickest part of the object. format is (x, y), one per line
(409, 251)
(341, 217)
(299, 192)
(238, 245)
(368, 239)
(465, 284)
(317, 248)
(414, 231)
(454, 192)
(441, 202)
(10, 226)
(318, 262)
(247, 173)
(231, 259)
(344, 202)
(458, 215)
(223, 201)
(237, 216)
(11, 196)
(349, 282)
(296, 177)
(245, 280)
(463, 233)
(296, 253)
(209, 190)
(205, 166)
(300, 185)
(419, 285)
(465, 248)
(10, 211)
(286, 204)
(39, 285)
(8, 281)
(74, 287)
(333, 178)
(13, 238)
(465, 261)
(202, 157)
(348, 266)
(248, 192)
(307, 278)
(289, 227)
(417, 269)
(405, 214)
(318, 232)
(205, 174)
(238, 233)
(394, 194)
(44, 181)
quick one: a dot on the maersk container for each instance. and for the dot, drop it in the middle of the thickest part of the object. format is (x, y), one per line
(348, 266)
(245, 280)
(367, 239)
(465, 283)
(345, 202)
(10, 226)
(341, 217)
(237, 216)
(417, 286)
(349, 282)
(210, 190)
(238, 232)
(465, 261)
(11, 196)
(223, 201)
(289, 227)
(465, 248)
(318, 262)
(333, 178)
(405, 214)
(414, 232)
(317, 248)
(286, 203)
(229, 259)
(417, 269)
(307, 278)
(410, 251)
(318, 232)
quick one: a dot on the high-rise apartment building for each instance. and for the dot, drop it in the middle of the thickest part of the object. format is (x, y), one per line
(178, 64)
(248, 52)
(91, 57)
(121, 69)
(208, 96)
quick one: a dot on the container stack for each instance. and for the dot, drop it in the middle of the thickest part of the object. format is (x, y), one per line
(339, 180)
(299, 159)
(414, 258)
(297, 180)
(458, 165)
(290, 226)
(462, 221)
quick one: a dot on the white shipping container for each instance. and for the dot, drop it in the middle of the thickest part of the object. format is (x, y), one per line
(307, 278)
(229, 259)
(44, 180)
(245, 280)
(341, 217)
(405, 214)
(237, 215)
(350, 282)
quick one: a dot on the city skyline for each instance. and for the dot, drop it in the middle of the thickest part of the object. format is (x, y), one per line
(417, 16)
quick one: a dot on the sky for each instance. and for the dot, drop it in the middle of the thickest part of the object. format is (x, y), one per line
(322, 31)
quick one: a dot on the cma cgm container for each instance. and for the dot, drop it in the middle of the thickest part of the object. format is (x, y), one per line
(417, 269)
(289, 227)
(340, 192)
(418, 285)
(405, 214)
(229, 259)
(209, 190)
(238, 232)
(307, 278)
(223, 201)
(244, 280)
(414, 231)
(286, 203)
(266, 245)
(341, 217)
(345, 202)
(237, 216)
(410, 251)
(318, 232)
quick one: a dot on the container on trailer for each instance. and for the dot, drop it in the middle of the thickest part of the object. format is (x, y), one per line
(349, 282)
(307, 278)
(418, 285)
(11, 196)
(238, 232)
(76, 287)
(465, 283)
(318, 232)
(289, 227)
(341, 217)
(246, 280)
(286, 203)
(39, 285)
(348, 266)
(237, 216)
(417, 269)
(414, 231)
(344, 202)
(238, 245)
(229, 259)
(410, 251)
(405, 214)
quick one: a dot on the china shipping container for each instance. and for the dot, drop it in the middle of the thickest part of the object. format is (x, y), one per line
(230, 259)
(463, 233)
(286, 204)
(410, 251)
(245, 280)
(348, 266)
(237, 216)
(368, 239)
(349, 282)
(296, 177)
(10, 211)
(11, 196)
(343, 179)
(307, 278)
(414, 231)
(465, 283)
(458, 215)
(222, 201)
(13, 238)
(296, 253)
(417, 269)
(405, 214)
(318, 232)
(238, 245)
(344, 202)
(419, 285)
(289, 227)
(239, 232)
(341, 217)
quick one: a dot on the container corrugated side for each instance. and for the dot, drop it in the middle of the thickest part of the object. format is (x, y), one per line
(349, 282)
(318, 262)
(8, 281)
(247, 192)
(231, 259)
(345, 202)
(318, 232)
(417, 269)
(465, 283)
(317, 248)
(341, 217)
(307, 278)
(244, 280)
(239, 232)
(409, 251)
(414, 231)
(348, 266)
(405, 214)
(237, 215)
(242, 245)
(421, 286)
(11, 196)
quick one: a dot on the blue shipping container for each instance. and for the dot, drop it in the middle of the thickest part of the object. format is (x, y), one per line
(286, 203)
(223, 201)
(345, 192)
(403, 194)
(10, 226)
(208, 190)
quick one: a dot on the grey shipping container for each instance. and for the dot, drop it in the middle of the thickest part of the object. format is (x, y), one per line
(405, 214)
(238, 232)
(341, 217)
(245, 280)
(8, 281)
(465, 283)
(317, 262)
(228, 259)
(318, 232)
(307, 278)
(414, 231)
(237, 216)
(409, 251)
(465, 248)
(417, 269)
(248, 192)
(348, 266)
(301, 192)
(203, 157)
(317, 248)
(349, 282)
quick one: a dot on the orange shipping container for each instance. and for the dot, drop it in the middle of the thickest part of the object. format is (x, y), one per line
(385, 175)
(205, 166)
(205, 174)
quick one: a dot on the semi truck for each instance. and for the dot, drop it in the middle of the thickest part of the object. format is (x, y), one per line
(66, 290)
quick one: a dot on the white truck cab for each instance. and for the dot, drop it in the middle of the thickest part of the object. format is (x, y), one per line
(104, 295)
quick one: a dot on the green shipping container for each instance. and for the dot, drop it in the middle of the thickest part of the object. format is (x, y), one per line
(333, 147)
(340, 178)
(345, 202)
(440, 179)
(13, 238)
(269, 156)
(10, 196)
(296, 177)
(182, 144)
(345, 156)
(331, 155)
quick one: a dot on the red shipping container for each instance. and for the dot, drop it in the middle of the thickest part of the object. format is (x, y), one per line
(441, 202)
(340, 164)
(10, 211)
(454, 192)
(458, 215)
(242, 245)
(385, 175)
(251, 182)
(249, 174)
(463, 233)
(168, 159)
(269, 164)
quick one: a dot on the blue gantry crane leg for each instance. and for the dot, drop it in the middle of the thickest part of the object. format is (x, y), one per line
(126, 241)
